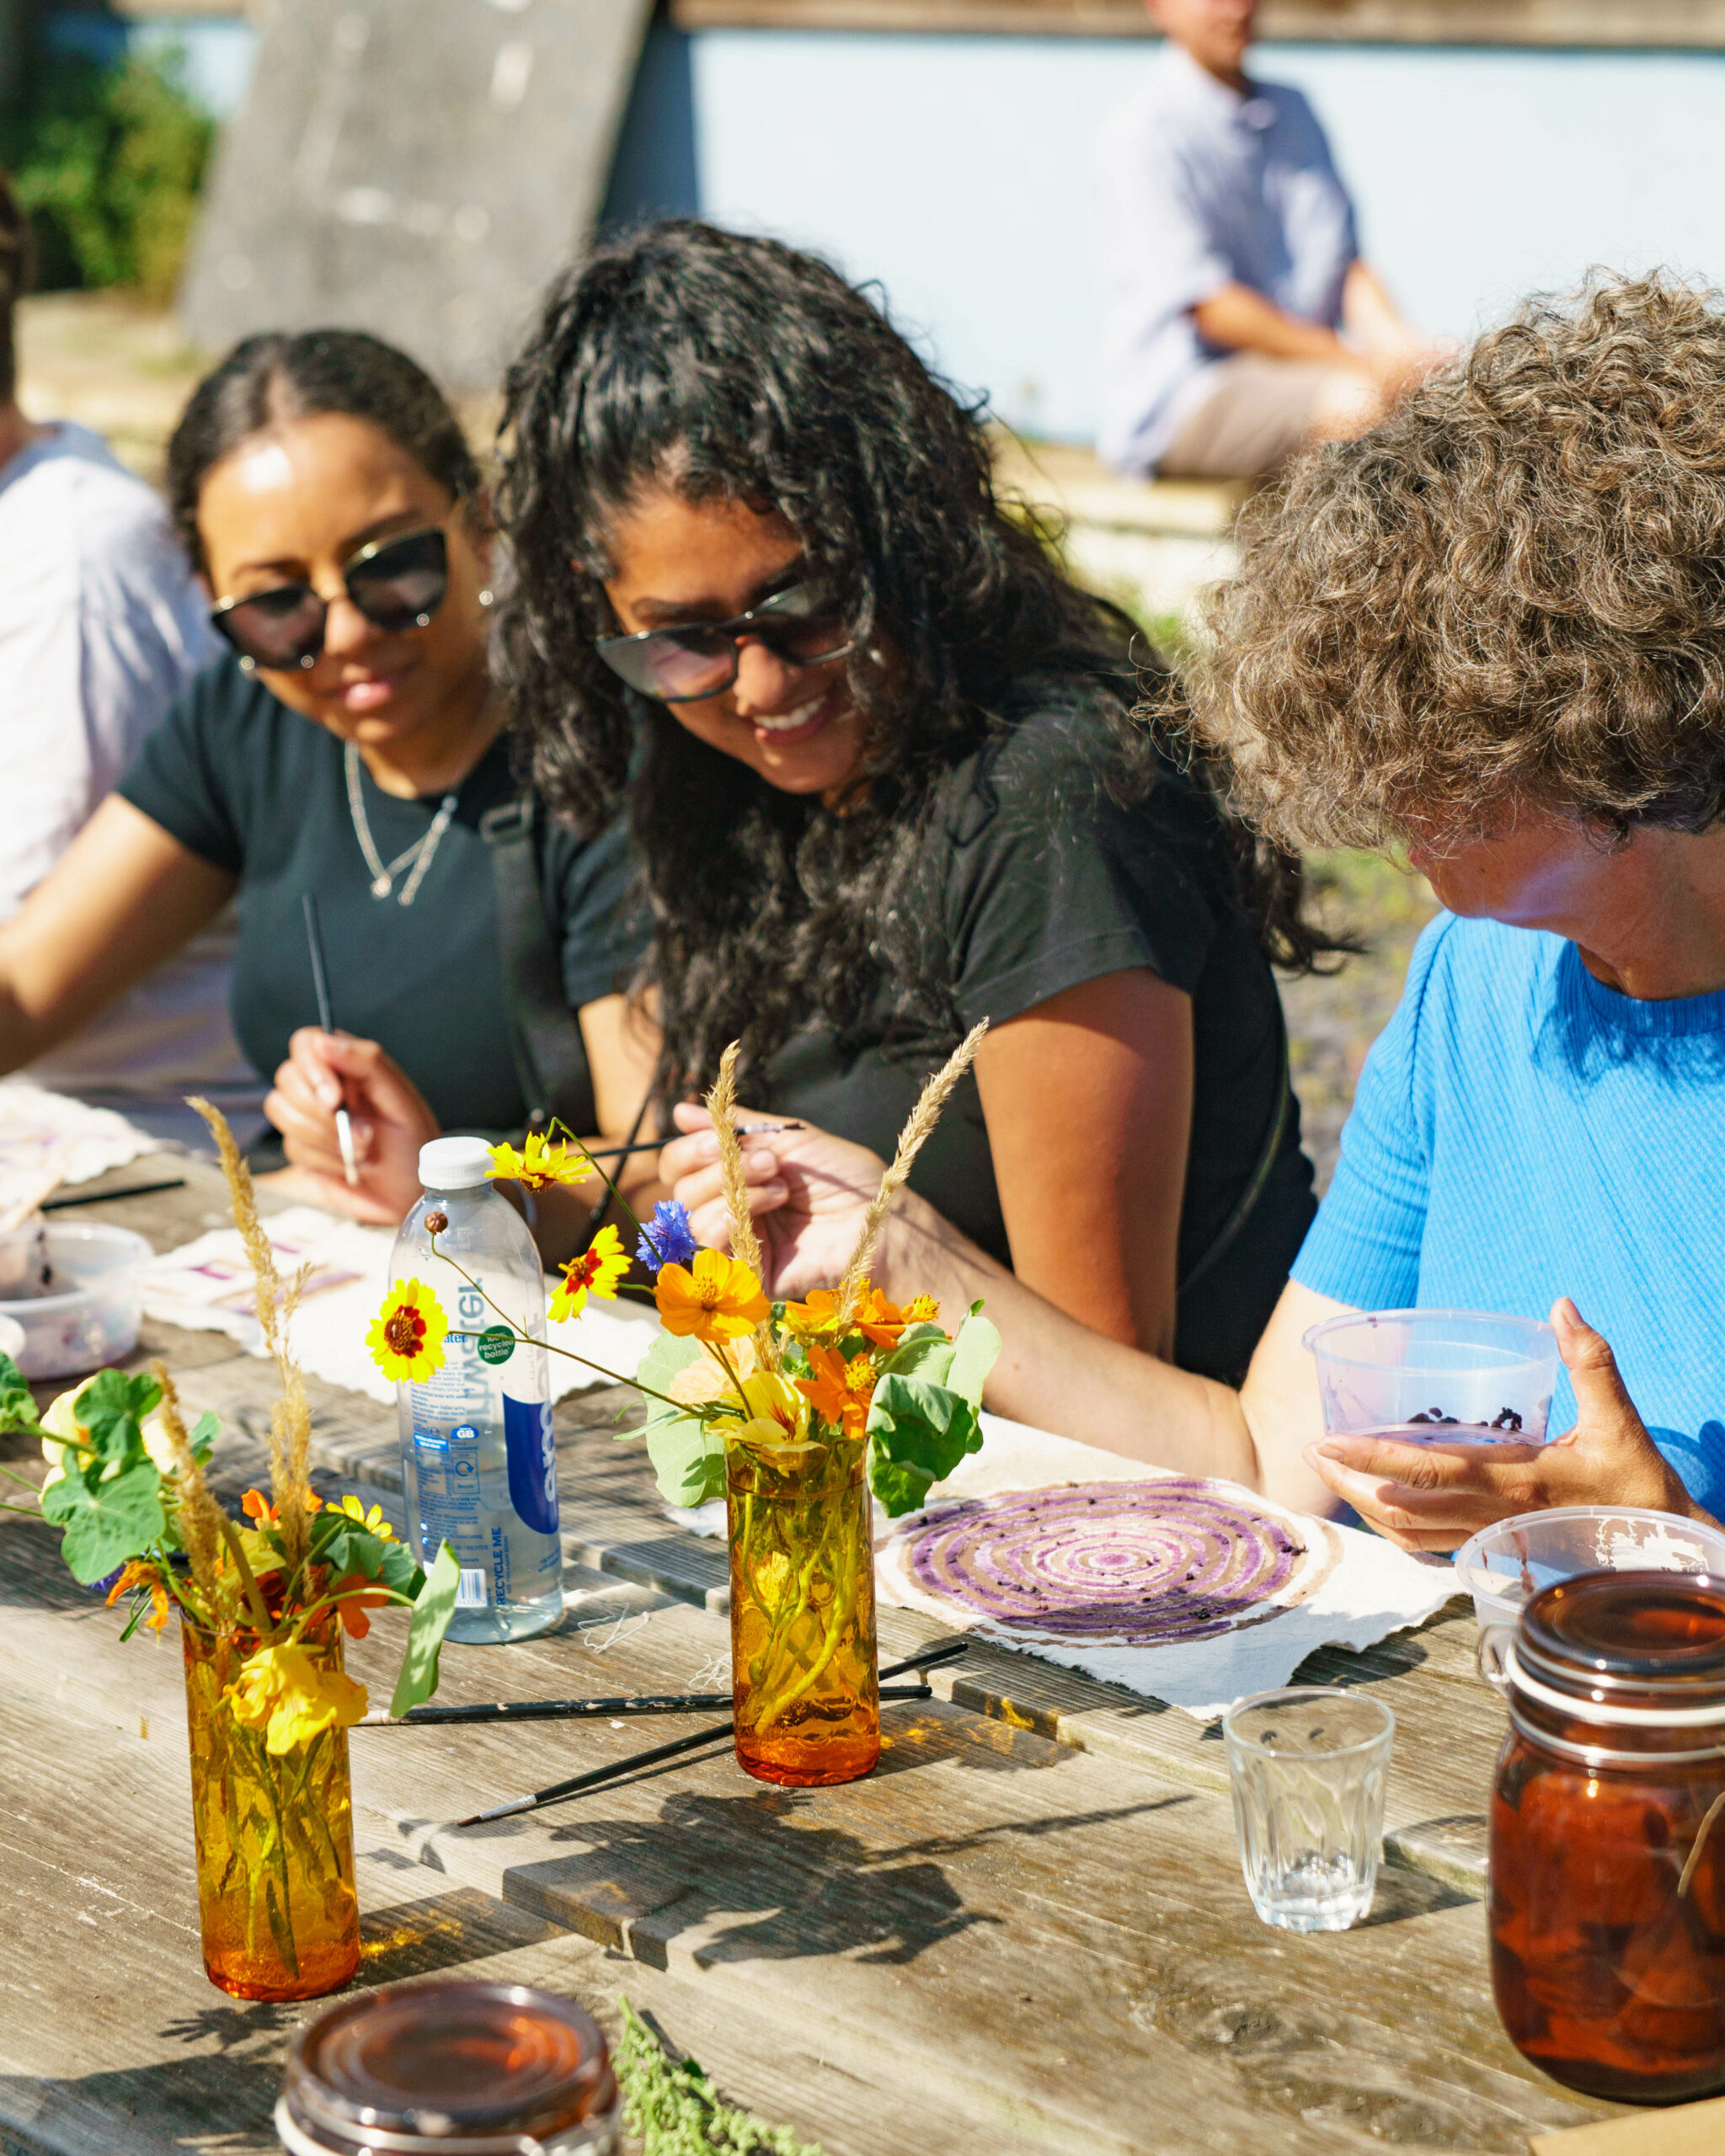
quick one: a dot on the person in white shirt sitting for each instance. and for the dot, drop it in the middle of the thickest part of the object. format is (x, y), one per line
(1234, 268)
(100, 628)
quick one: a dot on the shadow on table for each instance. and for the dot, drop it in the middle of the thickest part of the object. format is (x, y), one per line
(802, 1889)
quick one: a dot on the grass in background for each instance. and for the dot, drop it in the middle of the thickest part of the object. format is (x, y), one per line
(108, 161)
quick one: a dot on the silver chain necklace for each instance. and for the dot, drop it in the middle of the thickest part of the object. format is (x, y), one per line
(417, 858)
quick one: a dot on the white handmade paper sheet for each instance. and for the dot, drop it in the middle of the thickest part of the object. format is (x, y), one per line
(206, 1285)
(1372, 1590)
(44, 1134)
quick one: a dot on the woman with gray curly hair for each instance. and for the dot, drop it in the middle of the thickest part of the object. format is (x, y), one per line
(1490, 631)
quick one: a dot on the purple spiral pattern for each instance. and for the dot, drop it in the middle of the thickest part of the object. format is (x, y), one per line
(1142, 1564)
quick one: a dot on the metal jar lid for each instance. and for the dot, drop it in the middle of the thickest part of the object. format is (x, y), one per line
(467, 2069)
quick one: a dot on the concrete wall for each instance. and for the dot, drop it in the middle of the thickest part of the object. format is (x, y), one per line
(955, 171)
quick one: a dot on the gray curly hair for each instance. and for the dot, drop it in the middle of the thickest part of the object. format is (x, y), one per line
(1511, 591)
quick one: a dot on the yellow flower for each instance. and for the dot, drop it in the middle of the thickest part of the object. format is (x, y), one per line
(718, 1298)
(922, 1309)
(816, 1318)
(539, 1164)
(769, 1397)
(406, 1337)
(283, 1692)
(595, 1272)
(373, 1522)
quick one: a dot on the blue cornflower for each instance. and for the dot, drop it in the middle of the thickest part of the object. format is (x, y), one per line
(667, 1239)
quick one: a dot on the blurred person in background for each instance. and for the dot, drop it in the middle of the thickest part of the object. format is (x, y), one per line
(349, 744)
(101, 627)
(1243, 319)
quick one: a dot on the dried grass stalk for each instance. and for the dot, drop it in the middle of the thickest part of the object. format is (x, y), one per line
(291, 1417)
(745, 1244)
(199, 1515)
(917, 1128)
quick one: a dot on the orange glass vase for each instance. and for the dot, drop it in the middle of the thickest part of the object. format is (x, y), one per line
(802, 1652)
(276, 1899)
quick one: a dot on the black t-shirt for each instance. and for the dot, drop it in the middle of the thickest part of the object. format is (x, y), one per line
(1033, 881)
(259, 792)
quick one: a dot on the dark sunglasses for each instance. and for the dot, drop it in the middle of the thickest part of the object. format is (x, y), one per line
(395, 584)
(803, 624)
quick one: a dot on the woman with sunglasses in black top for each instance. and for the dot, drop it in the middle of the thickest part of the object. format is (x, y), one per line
(879, 765)
(349, 748)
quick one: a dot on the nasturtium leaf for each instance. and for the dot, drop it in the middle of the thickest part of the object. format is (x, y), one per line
(688, 1458)
(106, 1524)
(973, 1354)
(17, 1407)
(918, 1432)
(433, 1609)
(664, 1359)
(112, 1407)
(923, 1352)
(204, 1431)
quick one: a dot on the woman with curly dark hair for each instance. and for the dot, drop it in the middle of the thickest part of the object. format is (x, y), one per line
(1492, 629)
(877, 757)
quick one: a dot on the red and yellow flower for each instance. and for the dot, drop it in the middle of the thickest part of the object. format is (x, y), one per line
(406, 1337)
(595, 1272)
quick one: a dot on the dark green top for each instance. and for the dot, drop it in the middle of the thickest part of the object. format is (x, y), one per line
(1033, 881)
(258, 791)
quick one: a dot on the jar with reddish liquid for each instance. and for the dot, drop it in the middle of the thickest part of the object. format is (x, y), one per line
(1608, 1837)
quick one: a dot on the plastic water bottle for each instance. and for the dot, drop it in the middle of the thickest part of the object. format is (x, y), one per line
(478, 1462)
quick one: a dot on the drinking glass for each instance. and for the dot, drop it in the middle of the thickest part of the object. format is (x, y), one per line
(1307, 1767)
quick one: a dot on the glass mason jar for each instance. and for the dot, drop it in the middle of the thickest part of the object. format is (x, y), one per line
(492, 2069)
(1608, 1836)
(802, 1659)
(276, 1899)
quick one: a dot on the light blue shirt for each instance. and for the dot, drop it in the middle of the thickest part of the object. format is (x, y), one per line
(1201, 188)
(1522, 1133)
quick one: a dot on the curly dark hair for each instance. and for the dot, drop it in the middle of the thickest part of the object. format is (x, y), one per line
(273, 377)
(1511, 589)
(740, 368)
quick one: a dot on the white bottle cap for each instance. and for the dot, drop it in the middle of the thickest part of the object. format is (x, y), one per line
(454, 1163)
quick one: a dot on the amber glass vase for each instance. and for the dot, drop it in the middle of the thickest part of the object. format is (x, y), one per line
(803, 1661)
(274, 1837)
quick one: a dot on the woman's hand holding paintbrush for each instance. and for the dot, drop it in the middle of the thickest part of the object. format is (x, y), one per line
(388, 1120)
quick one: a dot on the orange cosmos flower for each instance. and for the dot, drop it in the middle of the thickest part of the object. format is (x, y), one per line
(595, 1272)
(718, 1298)
(257, 1506)
(839, 1391)
(136, 1574)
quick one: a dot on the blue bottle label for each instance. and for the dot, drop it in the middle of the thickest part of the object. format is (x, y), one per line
(532, 1462)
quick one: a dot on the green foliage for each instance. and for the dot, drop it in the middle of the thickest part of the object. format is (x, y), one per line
(108, 1503)
(676, 2110)
(688, 1458)
(109, 161)
(433, 1607)
(925, 1414)
(18, 1406)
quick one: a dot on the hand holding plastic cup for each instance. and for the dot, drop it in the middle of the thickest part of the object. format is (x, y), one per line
(1308, 1768)
(1436, 1377)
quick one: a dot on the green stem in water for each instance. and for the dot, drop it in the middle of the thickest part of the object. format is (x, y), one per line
(254, 1600)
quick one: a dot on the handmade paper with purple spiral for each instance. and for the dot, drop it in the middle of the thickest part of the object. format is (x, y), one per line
(1144, 1563)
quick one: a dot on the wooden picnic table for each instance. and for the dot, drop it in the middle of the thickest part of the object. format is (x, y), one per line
(1027, 1930)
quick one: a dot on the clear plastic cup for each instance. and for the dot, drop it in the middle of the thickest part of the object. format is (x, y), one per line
(1436, 1377)
(1506, 1563)
(1308, 1768)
